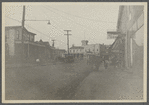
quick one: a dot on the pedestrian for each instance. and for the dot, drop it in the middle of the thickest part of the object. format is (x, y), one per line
(106, 58)
(106, 64)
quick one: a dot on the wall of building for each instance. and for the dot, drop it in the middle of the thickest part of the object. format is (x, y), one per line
(75, 51)
(131, 24)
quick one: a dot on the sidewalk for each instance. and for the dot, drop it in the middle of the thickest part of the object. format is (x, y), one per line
(111, 84)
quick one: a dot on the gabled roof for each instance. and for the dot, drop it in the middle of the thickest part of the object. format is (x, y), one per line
(18, 27)
(77, 47)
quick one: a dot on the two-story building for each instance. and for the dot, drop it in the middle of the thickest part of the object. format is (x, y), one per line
(17, 48)
(76, 51)
(85, 49)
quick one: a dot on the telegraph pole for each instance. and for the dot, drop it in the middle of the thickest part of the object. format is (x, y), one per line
(23, 20)
(67, 39)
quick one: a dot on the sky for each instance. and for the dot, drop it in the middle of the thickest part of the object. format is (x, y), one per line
(87, 21)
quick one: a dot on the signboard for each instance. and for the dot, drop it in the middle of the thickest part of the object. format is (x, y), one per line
(112, 35)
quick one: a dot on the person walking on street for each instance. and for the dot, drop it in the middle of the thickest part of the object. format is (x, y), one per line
(106, 58)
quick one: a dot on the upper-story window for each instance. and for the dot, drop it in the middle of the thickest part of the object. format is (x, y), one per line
(73, 50)
(97, 49)
(17, 34)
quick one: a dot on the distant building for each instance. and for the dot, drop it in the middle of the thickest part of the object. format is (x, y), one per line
(86, 49)
(77, 51)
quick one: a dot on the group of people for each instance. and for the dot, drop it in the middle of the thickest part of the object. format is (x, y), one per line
(115, 61)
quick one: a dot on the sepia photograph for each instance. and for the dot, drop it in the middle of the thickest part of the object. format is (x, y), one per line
(74, 52)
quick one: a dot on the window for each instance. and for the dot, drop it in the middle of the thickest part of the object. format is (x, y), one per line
(69, 50)
(17, 34)
(73, 50)
(97, 49)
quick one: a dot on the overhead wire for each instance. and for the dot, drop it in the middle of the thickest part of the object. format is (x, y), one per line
(67, 19)
(80, 16)
(59, 29)
(87, 28)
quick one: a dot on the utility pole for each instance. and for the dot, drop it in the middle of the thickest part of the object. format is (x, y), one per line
(23, 20)
(53, 43)
(67, 39)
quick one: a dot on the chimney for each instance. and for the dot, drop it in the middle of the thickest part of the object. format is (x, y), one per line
(84, 42)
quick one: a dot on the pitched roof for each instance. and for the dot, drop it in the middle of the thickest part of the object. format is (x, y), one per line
(12, 27)
(77, 47)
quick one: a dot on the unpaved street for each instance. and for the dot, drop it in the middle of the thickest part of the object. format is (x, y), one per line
(58, 81)
(73, 81)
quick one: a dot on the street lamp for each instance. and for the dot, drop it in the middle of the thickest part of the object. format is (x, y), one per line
(23, 22)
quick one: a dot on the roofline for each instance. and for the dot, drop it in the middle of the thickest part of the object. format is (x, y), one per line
(20, 27)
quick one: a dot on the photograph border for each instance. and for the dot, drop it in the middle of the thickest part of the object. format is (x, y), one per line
(77, 101)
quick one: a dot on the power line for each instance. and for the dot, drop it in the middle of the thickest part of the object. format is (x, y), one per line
(44, 33)
(13, 19)
(80, 16)
(59, 29)
(69, 19)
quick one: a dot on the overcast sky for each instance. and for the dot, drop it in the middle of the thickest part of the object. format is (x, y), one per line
(89, 21)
